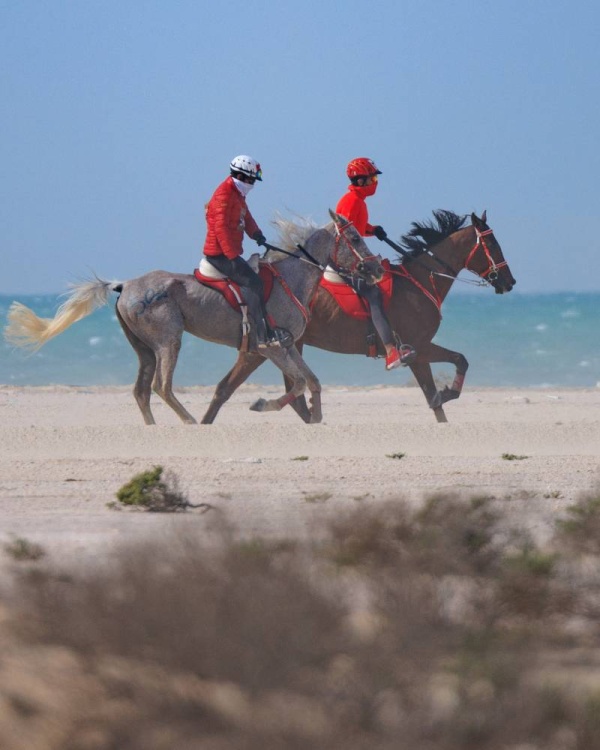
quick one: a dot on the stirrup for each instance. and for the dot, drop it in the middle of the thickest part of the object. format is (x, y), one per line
(407, 354)
(277, 337)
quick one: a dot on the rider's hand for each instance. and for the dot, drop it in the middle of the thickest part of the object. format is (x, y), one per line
(259, 238)
(380, 233)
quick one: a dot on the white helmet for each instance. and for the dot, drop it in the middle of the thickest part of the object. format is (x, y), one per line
(247, 166)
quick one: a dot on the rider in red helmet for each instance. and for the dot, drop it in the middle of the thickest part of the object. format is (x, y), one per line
(228, 218)
(363, 174)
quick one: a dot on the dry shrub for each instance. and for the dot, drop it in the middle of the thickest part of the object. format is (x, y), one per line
(580, 530)
(446, 536)
(397, 630)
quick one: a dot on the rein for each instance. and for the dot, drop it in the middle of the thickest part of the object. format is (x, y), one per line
(313, 262)
(309, 258)
(435, 296)
(360, 261)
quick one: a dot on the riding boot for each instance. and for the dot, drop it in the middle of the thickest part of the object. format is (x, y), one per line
(265, 336)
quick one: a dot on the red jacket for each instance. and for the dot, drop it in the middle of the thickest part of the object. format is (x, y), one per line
(352, 205)
(227, 218)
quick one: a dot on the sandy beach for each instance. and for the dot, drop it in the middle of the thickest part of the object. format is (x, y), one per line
(67, 450)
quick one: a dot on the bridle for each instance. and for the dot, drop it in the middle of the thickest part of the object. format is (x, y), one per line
(359, 263)
(491, 274)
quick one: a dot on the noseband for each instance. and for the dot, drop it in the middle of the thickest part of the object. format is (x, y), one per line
(359, 263)
(491, 274)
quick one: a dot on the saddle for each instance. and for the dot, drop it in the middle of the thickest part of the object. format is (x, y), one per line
(208, 275)
(350, 302)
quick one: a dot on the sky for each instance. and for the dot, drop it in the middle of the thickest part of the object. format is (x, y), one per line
(119, 119)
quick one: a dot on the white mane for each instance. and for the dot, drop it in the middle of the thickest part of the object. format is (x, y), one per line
(293, 233)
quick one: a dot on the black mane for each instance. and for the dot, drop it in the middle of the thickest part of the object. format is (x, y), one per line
(427, 234)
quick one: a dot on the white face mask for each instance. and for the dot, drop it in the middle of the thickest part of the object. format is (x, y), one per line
(243, 187)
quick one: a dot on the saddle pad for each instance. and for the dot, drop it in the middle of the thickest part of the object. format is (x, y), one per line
(354, 305)
(226, 287)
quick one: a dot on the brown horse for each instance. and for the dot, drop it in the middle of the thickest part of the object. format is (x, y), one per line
(434, 256)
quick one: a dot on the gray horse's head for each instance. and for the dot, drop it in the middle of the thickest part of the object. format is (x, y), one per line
(350, 252)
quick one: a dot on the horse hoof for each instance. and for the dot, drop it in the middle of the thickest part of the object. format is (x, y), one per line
(259, 405)
(439, 415)
(448, 394)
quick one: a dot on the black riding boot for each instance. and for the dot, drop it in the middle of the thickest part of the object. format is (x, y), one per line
(264, 335)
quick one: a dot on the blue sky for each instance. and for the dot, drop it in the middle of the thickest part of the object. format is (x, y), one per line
(120, 118)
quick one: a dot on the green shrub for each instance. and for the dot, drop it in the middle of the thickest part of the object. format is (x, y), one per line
(148, 492)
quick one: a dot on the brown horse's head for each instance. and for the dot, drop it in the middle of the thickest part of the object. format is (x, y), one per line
(351, 253)
(486, 258)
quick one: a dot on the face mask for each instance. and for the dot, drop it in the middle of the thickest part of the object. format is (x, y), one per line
(243, 187)
(365, 190)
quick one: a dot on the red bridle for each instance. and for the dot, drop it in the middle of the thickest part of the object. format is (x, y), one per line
(359, 259)
(491, 274)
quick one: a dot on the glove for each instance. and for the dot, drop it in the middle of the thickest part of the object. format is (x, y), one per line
(380, 233)
(259, 238)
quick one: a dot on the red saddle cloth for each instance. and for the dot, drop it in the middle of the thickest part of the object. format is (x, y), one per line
(226, 286)
(351, 303)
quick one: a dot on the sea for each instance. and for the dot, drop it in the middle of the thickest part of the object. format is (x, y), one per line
(512, 340)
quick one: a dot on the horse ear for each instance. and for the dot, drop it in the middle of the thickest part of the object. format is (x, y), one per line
(336, 217)
(476, 221)
(484, 216)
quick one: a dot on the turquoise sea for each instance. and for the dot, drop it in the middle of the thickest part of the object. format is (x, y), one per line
(520, 340)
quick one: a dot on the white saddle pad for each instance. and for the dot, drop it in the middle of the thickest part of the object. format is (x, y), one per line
(332, 276)
(206, 268)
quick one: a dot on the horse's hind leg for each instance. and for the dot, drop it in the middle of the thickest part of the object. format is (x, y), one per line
(437, 353)
(245, 365)
(166, 359)
(424, 377)
(147, 367)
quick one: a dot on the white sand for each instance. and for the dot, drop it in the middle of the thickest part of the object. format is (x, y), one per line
(64, 452)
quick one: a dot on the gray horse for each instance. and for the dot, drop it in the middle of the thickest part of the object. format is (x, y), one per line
(155, 309)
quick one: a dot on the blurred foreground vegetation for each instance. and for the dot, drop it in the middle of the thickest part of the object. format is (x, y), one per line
(438, 628)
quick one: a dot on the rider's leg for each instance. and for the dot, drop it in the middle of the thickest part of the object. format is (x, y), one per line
(394, 357)
(239, 271)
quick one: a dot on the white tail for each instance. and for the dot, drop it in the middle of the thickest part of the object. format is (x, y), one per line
(26, 330)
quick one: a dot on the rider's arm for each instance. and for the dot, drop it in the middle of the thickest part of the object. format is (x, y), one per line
(226, 219)
(250, 226)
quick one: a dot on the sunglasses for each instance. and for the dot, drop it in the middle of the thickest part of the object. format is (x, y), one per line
(368, 179)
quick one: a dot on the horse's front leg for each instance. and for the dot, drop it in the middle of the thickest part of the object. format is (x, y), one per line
(282, 359)
(437, 353)
(299, 404)
(245, 365)
(313, 384)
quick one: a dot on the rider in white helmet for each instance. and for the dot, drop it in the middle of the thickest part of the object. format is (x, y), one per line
(227, 218)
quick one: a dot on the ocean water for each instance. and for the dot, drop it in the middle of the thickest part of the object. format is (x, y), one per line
(514, 340)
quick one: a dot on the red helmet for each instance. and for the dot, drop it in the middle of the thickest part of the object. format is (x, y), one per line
(362, 167)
